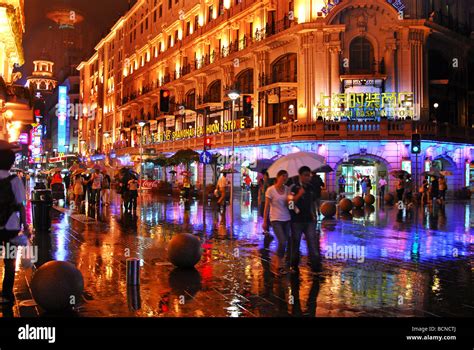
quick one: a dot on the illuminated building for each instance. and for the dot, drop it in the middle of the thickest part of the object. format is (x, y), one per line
(15, 100)
(349, 79)
(42, 80)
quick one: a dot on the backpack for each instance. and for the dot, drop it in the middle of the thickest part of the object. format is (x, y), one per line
(8, 203)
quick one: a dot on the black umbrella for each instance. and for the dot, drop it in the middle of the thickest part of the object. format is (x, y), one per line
(184, 156)
(324, 169)
(261, 164)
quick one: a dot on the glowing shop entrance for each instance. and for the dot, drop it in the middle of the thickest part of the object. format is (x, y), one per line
(356, 169)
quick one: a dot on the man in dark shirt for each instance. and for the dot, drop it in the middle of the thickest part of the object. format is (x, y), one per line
(303, 221)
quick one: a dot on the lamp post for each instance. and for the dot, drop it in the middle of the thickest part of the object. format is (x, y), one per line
(233, 95)
(141, 124)
(66, 147)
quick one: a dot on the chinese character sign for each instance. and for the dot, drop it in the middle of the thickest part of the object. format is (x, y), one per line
(391, 105)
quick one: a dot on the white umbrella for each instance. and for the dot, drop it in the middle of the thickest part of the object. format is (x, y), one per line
(293, 162)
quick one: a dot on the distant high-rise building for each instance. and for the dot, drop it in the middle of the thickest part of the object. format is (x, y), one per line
(67, 39)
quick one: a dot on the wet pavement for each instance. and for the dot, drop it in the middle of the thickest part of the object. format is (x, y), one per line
(378, 262)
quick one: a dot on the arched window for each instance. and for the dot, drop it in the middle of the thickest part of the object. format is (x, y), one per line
(361, 56)
(214, 92)
(244, 81)
(43, 86)
(155, 111)
(190, 99)
(284, 69)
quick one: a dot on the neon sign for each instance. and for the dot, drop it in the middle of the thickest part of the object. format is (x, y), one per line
(366, 105)
(62, 118)
(212, 128)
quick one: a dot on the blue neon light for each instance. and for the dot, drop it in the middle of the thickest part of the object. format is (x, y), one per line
(62, 118)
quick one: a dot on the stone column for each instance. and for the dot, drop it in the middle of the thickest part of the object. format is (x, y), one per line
(389, 59)
(334, 52)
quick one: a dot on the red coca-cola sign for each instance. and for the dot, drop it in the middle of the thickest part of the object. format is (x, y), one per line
(149, 184)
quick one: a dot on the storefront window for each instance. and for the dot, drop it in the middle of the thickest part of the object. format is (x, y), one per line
(406, 165)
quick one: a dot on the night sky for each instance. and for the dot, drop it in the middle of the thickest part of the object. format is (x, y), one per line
(100, 16)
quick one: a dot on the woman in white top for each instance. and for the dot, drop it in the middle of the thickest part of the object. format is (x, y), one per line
(276, 205)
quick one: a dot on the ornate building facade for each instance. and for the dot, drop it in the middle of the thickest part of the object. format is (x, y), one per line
(15, 100)
(349, 79)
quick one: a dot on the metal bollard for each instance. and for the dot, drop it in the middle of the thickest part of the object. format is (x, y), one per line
(133, 298)
(133, 272)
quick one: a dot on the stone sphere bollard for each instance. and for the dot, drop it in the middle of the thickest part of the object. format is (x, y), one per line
(57, 286)
(369, 199)
(345, 205)
(328, 209)
(358, 202)
(358, 212)
(389, 199)
(184, 250)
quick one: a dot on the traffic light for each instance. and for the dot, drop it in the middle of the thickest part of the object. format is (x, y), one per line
(207, 143)
(416, 144)
(247, 106)
(165, 101)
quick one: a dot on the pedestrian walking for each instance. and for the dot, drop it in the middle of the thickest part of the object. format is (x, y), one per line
(382, 185)
(342, 186)
(222, 190)
(408, 192)
(369, 185)
(87, 187)
(434, 190)
(248, 182)
(443, 187)
(12, 217)
(78, 189)
(318, 186)
(133, 186)
(105, 190)
(264, 184)
(363, 184)
(57, 186)
(400, 188)
(96, 181)
(303, 221)
(425, 190)
(277, 214)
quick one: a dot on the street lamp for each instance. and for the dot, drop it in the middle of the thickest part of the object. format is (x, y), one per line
(141, 124)
(233, 95)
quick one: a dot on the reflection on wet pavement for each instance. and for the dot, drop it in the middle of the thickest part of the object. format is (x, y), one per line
(377, 262)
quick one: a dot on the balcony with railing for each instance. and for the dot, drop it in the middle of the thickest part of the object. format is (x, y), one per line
(323, 131)
(277, 77)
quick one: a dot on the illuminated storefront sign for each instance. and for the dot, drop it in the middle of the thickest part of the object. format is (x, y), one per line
(36, 146)
(389, 105)
(211, 129)
(62, 118)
